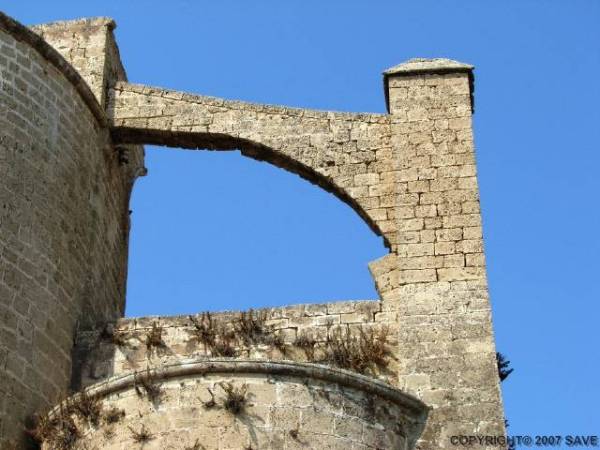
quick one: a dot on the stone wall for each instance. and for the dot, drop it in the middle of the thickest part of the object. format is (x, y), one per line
(89, 46)
(411, 175)
(438, 282)
(270, 406)
(123, 347)
(344, 153)
(67, 168)
(63, 222)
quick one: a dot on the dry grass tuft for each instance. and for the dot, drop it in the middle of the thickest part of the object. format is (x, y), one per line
(120, 339)
(308, 344)
(154, 337)
(142, 436)
(227, 339)
(250, 326)
(205, 329)
(148, 386)
(210, 403)
(363, 353)
(235, 397)
(295, 434)
(108, 433)
(87, 407)
(58, 431)
(215, 336)
(113, 415)
(225, 345)
(277, 341)
(116, 337)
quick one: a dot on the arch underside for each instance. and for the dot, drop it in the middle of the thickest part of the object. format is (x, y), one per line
(259, 152)
(339, 152)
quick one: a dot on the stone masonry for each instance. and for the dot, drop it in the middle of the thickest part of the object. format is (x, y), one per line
(71, 132)
(290, 405)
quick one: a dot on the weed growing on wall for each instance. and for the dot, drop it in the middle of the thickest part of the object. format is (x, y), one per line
(113, 336)
(142, 436)
(154, 337)
(216, 338)
(308, 344)
(146, 385)
(235, 397)
(210, 403)
(362, 352)
(87, 407)
(503, 366)
(58, 431)
(113, 415)
(250, 327)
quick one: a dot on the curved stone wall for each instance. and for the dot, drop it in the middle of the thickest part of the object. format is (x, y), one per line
(284, 406)
(63, 222)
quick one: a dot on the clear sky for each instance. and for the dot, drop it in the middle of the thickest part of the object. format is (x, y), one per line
(218, 231)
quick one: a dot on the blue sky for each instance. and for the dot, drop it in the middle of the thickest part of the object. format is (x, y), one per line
(217, 231)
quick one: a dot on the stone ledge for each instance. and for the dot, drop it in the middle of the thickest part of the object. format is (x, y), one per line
(75, 24)
(342, 377)
(241, 105)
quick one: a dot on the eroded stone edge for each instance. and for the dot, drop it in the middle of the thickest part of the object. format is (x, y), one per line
(24, 34)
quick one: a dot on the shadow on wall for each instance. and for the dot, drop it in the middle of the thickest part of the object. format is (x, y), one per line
(216, 231)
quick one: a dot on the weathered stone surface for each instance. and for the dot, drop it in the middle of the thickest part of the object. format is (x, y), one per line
(63, 222)
(427, 65)
(70, 150)
(102, 357)
(336, 151)
(286, 405)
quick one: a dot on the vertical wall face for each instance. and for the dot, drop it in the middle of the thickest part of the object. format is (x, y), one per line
(89, 46)
(437, 285)
(63, 223)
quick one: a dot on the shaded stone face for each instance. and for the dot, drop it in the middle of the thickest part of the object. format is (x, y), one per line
(70, 150)
(63, 235)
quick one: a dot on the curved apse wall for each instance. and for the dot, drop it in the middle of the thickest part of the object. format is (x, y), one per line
(63, 233)
(275, 405)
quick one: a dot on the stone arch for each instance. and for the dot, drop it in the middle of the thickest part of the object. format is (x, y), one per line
(256, 151)
(335, 151)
